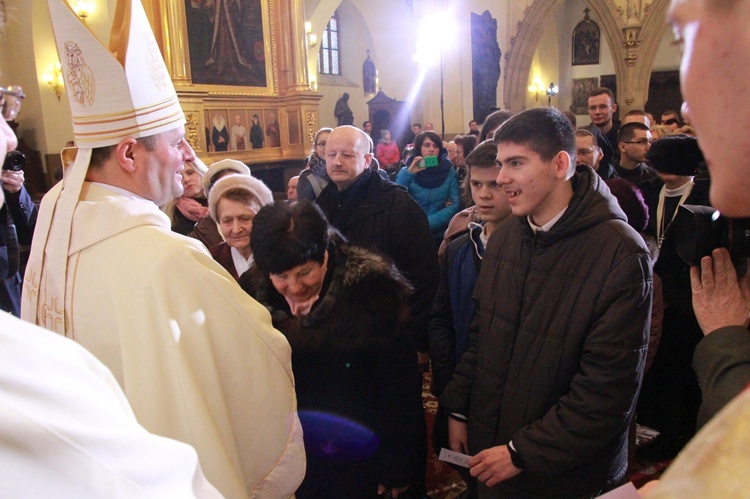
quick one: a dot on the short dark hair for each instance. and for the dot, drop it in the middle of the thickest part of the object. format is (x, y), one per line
(544, 130)
(285, 236)
(493, 122)
(419, 139)
(468, 142)
(100, 155)
(417, 124)
(603, 91)
(627, 131)
(472, 121)
(483, 156)
(364, 123)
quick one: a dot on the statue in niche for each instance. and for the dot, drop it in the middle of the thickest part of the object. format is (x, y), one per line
(634, 9)
(485, 63)
(343, 112)
(369, 75)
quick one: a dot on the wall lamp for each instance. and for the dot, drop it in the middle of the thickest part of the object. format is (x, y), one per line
(536, 88)
(83, 8)
(54, 78)
(551, 92)
(312, 38)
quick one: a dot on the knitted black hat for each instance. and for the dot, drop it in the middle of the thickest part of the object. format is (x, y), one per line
(675, 154)
(631, 201)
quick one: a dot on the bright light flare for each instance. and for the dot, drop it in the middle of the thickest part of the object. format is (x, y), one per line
(435, 34)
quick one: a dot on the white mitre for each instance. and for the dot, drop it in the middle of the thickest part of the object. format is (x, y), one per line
(116, 92)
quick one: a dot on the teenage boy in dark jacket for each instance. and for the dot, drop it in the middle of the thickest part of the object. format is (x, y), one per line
(550, 381)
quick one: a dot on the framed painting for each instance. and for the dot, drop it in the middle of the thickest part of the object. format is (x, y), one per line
(217, 130)
(582, 87)
(292, 119)
(272, 128)
(227, 45)
(238, 131)
(257, 133)
(586, 44)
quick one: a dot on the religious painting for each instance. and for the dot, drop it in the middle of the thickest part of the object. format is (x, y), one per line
(586, 41)
(238, 131)
(582, 88)
(217, 130)
(272, 128)
(292, 118)
(226, 42)
(257, 134)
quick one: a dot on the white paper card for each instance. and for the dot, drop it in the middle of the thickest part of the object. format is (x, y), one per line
(453, 457)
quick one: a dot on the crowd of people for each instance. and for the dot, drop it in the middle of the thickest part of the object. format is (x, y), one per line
(229, 345)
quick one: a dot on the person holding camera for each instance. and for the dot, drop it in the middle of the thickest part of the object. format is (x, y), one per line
(17, 221)
(431, 180)
(714, 66)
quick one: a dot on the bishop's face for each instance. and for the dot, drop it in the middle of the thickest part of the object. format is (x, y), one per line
(160, 170)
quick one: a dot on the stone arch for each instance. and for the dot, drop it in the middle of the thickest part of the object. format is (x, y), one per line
(653, 30)
(530, 29)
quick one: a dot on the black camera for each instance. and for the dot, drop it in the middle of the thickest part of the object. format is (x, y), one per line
(701, 229)
(14, 161)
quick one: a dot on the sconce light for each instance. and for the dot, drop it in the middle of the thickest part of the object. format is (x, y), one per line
(312, 38)
(551, 92)
(83, 8)
(536, 88)
(54, 78)
(313, 84)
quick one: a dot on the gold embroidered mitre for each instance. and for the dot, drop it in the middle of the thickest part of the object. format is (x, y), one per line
(116, 92)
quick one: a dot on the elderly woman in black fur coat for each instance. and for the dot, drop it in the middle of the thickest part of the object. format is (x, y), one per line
(343, 309)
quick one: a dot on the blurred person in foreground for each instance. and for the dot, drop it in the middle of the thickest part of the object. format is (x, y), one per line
(17, 216)
(197, 358)
(716, 42)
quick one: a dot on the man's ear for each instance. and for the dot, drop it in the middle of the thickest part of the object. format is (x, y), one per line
(614, 108)
(621, 147)
(125, 152)
(368, 159)
(562, 164)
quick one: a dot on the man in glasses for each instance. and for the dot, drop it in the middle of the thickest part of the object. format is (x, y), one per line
(590, 154)
(17, 215)
(633, 142)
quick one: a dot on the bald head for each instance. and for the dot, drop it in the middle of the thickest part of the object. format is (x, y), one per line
(347, 155)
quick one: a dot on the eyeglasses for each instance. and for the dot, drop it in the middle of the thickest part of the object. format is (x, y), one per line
(640, 142)
(10, 101)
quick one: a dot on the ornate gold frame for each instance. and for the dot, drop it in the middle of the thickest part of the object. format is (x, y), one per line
(172, 32)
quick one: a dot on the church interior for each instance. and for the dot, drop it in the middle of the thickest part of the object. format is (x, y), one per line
(282, 65)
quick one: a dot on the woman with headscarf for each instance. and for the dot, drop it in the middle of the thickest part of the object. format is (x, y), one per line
(189, 212)
(234, 201)
(432, 181)
(343, 310)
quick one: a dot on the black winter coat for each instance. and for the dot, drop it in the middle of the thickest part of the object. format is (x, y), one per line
(559, 349)
(379, 215)
(351, 357)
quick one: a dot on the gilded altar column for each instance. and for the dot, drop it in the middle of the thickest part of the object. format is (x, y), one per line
(293, 46)
(171, 28)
